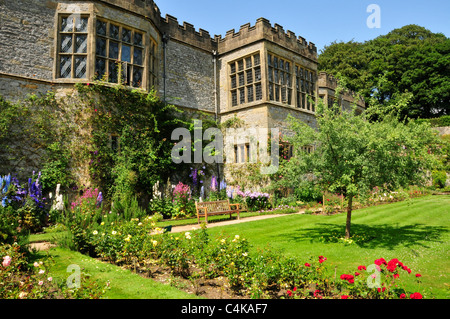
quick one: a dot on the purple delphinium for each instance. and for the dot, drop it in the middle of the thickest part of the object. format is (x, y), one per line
(99, 199)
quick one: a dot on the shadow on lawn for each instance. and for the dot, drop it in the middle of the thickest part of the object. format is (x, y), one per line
(374, 236)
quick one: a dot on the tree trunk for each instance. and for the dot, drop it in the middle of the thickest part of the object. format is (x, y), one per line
(349, 217)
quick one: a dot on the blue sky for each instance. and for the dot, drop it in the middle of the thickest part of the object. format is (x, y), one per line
(320, 22)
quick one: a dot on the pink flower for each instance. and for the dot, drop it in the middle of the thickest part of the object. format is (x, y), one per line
(6, 261)
(40, 283)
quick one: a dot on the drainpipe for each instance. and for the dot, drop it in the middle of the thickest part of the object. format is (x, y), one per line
(215, 84)
(165, 40)
(216, 110)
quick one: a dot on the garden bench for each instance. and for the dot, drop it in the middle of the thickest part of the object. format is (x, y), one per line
(222, 207)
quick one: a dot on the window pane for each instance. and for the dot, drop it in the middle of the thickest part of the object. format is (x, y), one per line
(250, 93)
(258, 89)
(241, 79)
(113, 50)
(138, 38)
(137, 76)
(137, 56)
(66, 44)
(101, 47)
(241, 96)
(126, 53)
(249, 76)
(100, 68)
(256, 59)
(67, 24)
(241, 65)
(101, 27)
(126, 35)
(81, 24)
(233, 68)
(233, 82)
(257, 74)
(248, 62)
(81, 44)
(65, 67)
(80, 67)
(113, 69)
(234, 98)
(114, 31)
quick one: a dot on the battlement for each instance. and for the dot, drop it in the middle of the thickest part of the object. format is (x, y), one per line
(186, 33)
(263, 30)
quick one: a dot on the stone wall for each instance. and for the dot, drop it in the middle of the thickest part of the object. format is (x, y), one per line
(26, 37)
(190, 77)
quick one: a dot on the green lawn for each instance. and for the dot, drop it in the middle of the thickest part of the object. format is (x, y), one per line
(123, 283)
(417, 232)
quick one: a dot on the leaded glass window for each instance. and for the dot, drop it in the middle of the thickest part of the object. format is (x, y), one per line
(73, 47)
(280, 79)
(245, 80)
(120, 54)
(305, 83)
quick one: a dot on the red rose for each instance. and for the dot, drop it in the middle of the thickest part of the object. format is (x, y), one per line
(289, 293)
(402, 296)
(307, 265)
(416, 295)
(396, 275)
(381, 290)
(380, 261)
(357, 274)
(344, 297)
(362, 268)
(418, 275)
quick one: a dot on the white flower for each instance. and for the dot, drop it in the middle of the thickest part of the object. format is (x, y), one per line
(41, 271)
(245, 254)
(187, 235)
(95, 232)
(154, 242)
(36, 264)
(113, 232)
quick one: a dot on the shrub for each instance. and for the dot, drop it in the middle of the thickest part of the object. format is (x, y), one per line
(439, 179)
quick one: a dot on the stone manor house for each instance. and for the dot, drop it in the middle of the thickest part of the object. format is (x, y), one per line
(259, 73)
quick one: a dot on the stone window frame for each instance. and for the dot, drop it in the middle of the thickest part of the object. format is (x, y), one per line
(127, 67)
(279, 79)
(305, 88)
(245, 80)
(242, 153)
(74, 33)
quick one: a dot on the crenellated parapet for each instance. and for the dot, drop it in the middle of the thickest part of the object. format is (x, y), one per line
(263, 30)
(186, 33)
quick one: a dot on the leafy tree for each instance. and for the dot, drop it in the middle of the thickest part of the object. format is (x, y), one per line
(410, 60)
(353, 155)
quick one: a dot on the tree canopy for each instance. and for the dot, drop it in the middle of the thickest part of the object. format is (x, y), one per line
(353, 155)
(410, 62)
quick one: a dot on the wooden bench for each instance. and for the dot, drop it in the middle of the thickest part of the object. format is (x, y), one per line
(222, 207)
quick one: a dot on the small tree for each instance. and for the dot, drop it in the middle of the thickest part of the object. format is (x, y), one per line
(353, 155)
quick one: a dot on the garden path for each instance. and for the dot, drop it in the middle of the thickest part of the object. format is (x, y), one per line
(180, 229)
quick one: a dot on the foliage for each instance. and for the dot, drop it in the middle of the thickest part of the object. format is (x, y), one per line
(38, 126)
(410, 60)
(20, 280)
(439, 179)
(353, 155)
(142, 124)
